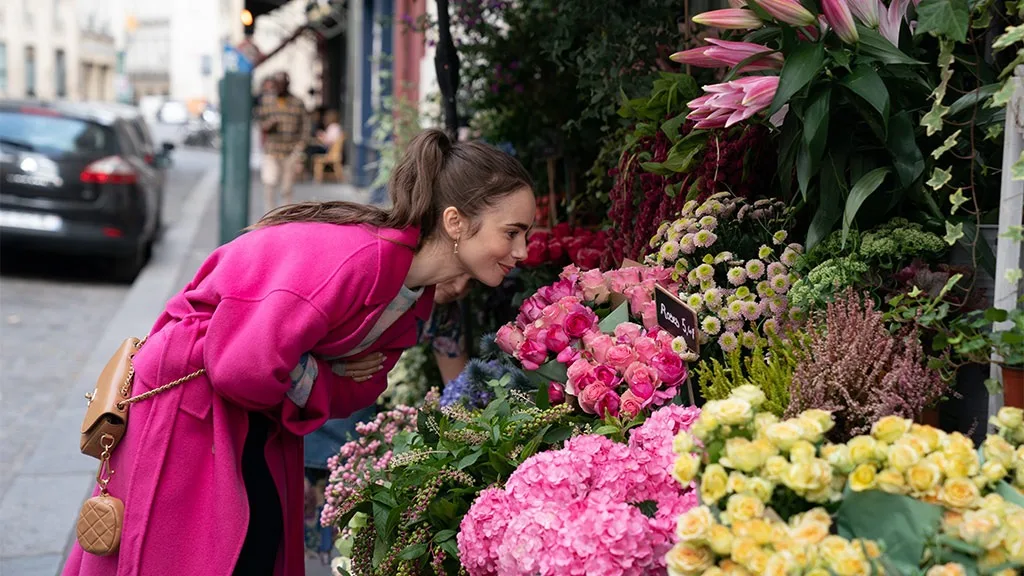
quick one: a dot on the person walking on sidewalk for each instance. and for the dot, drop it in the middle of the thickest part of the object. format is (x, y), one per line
(297, 321)
(285, 126)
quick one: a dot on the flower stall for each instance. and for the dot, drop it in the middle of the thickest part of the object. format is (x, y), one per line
(769, 325)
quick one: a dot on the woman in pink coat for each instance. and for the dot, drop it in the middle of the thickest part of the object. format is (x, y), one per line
(211, 472)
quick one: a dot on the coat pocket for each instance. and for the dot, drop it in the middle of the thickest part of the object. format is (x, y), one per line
(184, 358)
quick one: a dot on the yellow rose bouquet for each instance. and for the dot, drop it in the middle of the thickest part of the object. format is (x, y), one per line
(909, 499)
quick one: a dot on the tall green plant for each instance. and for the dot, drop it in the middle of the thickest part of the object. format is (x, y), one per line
(771, 370)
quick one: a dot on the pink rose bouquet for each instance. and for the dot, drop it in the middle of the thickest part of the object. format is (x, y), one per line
(621, 370)
(595, 507)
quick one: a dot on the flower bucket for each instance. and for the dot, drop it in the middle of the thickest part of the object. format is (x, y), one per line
(1013, 386)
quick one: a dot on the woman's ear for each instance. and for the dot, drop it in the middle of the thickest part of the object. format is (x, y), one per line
(453, 222)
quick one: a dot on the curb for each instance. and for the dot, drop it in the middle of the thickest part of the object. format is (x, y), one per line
(45, 496)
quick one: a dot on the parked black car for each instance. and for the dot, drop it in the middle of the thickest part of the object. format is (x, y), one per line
(80, 178)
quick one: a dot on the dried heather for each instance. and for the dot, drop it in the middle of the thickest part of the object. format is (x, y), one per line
(853, 367)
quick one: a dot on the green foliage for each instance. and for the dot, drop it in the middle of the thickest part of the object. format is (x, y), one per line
(416, 504)
(770, 370)
(864, 260)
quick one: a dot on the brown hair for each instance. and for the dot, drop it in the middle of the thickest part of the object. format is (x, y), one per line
(434, 173)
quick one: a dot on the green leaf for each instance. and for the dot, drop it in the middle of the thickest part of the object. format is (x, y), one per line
(868, 85)
(649, 508)
(469, 459)
(1013, 35)
(806, 167)
(541, 398)
(816, 120)
(943, 18)
(671, 127)
(802, 65)
(957, 199)
(1001, 96)
(940, 178)
(932, 121)
(833, 183)
(976, 96)
(902, 145)
(946, 146)
(683, 156)
(605, 430)
(451, 547)
(413, 551)
(447, 534)
(1010, 494)
(557, 435)
(1017, 169)
(613, 319)
(908, 525)
(875, 46)
(954, 232)
(993, 386)
(864, 187)
(553, 371)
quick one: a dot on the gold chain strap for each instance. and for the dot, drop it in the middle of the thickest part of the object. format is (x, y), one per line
(131, 375)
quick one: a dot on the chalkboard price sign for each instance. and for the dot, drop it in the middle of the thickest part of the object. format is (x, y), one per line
(676, 318)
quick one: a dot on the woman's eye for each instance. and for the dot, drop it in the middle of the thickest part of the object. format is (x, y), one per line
(512, 234)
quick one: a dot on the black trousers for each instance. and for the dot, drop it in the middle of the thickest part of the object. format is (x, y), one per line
(266, 522)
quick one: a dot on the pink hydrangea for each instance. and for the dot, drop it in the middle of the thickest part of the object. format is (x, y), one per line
(575, 511)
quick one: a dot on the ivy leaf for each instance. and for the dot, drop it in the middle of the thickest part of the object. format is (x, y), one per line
(1014, 275)
(1002, 96)
(940, 178)
(957, 199)
(946, 146)
(1013, 35)
(933, 119)
(1017, 170)
(953, 232)
(994, 131)
(943, 18)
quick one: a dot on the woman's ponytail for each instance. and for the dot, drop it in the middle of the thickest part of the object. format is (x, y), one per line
(414, 179)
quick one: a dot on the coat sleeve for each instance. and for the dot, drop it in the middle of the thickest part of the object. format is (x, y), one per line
(252, 346)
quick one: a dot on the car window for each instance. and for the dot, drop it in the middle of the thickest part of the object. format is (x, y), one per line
(130, 145)
(140, 134)
(54, 135)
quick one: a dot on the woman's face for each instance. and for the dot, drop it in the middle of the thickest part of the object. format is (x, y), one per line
(500, 239)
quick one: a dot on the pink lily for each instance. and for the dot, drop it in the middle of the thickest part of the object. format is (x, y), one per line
(866, 11)
(892, 19)
(837, 14)
(729, 103)
(720, 53)
(788, 11)
(730, 19)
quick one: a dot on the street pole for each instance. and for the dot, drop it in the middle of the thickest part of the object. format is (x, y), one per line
(236, 147)
(236, 140)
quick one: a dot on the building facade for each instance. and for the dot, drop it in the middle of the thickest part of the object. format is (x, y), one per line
(39, 50)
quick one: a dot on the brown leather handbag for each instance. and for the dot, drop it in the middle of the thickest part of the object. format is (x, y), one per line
(106, 419)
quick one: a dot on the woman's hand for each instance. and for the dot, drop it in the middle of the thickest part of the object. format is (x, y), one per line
(360, 369)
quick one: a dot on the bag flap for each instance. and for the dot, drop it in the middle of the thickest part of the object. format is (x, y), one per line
(111, 386)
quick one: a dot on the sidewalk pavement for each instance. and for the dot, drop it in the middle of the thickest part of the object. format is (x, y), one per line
(39, 511)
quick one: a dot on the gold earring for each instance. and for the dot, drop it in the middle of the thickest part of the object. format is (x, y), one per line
(456, 246)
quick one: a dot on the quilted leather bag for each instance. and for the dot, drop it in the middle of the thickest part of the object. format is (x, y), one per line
(101, 518)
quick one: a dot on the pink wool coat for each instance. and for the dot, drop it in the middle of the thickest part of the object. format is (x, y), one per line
(255, 306)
